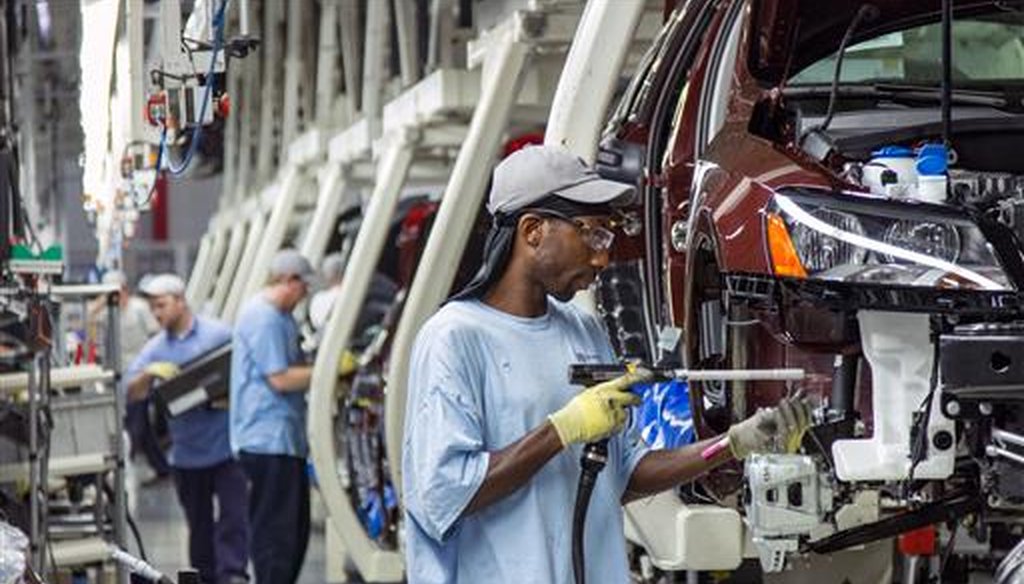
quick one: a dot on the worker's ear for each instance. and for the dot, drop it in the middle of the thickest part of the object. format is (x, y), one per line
(530, 229)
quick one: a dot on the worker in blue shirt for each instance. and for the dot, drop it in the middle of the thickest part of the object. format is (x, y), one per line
(269, 378)
(494, 430)
(200, 454)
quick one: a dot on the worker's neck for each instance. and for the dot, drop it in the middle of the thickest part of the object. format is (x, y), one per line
(278, 296)
(183, 324)
(517, 295)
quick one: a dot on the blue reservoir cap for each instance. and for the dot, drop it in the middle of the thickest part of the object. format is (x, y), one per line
(932, 160)
(893, 152)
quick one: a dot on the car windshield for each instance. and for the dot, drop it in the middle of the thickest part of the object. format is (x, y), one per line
(988, 51)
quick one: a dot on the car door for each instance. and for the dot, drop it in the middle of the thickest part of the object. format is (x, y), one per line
(633, 150)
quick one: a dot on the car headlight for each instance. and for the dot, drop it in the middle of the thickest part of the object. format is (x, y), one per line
(864, 240)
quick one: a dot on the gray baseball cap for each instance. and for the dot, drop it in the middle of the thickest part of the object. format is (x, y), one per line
(534, 172)
(333, 267)
(289, 262)
(162, 285)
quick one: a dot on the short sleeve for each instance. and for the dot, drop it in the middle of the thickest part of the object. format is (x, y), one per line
(267, 341)
(445, 461)
(221, 333)
(631, 449)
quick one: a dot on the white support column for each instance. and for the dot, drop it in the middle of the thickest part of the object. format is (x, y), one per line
(231, 140)
(209, 274)
(238, 283)
(270, 55)
(455, 220)
(247, 129)
(292, 74)
(327, 63)
(441, 28)
(328, 203)
(589, 77)
(408, 41)
(374, 563)
(351, 55)
(227, 271)
(375, 64)
(202, 258)
(274, 232)
(133, 11)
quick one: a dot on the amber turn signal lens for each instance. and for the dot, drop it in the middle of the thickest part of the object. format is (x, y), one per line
(785, 260)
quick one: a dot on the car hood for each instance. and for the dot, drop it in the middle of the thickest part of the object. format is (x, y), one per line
(791, 34)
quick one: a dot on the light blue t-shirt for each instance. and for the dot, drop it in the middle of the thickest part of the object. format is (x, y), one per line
(263, 420)
(199, 437)
(481, 379)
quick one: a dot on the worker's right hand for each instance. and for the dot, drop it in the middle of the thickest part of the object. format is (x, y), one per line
(598, 411)
(777, 429)
(348, 363)
(162, 370)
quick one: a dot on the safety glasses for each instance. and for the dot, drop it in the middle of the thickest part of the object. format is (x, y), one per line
(597, 238)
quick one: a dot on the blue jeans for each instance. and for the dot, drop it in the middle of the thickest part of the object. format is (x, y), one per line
(217, 547)
(278, 514)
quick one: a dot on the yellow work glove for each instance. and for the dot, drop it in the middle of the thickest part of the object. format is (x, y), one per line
(162, 369)
(348, 363)
(598, 411)
(777, 429)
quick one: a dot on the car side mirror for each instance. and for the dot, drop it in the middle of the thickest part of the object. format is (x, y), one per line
(621, 161)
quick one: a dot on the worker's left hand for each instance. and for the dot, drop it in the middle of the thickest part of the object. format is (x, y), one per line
(162, 370)
(598, 411)
(780, 428)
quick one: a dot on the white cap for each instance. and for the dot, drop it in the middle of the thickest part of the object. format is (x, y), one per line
(162, 285)
(534, 172)
(115, 277)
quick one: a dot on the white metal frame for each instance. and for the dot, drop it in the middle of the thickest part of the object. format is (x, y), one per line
(407, 140)
(235, 292)
(374, 563)
(453, 224)
(236, 243)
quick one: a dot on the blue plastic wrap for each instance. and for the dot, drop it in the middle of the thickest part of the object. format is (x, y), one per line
(373, 510)
(664, 419)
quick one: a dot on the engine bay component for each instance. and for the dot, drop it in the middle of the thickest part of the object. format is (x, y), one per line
(980, 363)
(788, 498)
(947, 509)
(900, 352)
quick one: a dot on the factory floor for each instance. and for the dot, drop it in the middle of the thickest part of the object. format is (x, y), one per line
(162, 527)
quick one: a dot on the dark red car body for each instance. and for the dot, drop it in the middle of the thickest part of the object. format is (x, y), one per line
(704, 198)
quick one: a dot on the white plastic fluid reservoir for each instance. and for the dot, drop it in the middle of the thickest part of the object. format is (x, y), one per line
(878, 172)
(932, 165)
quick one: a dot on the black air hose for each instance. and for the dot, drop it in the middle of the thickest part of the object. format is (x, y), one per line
(595, 455)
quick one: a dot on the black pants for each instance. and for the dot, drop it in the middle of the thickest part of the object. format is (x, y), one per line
(144, 439)
(217, 547)
(278, 515)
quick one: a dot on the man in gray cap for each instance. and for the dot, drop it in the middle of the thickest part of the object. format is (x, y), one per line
(268, 418)
(322, 302)
(493, 428)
